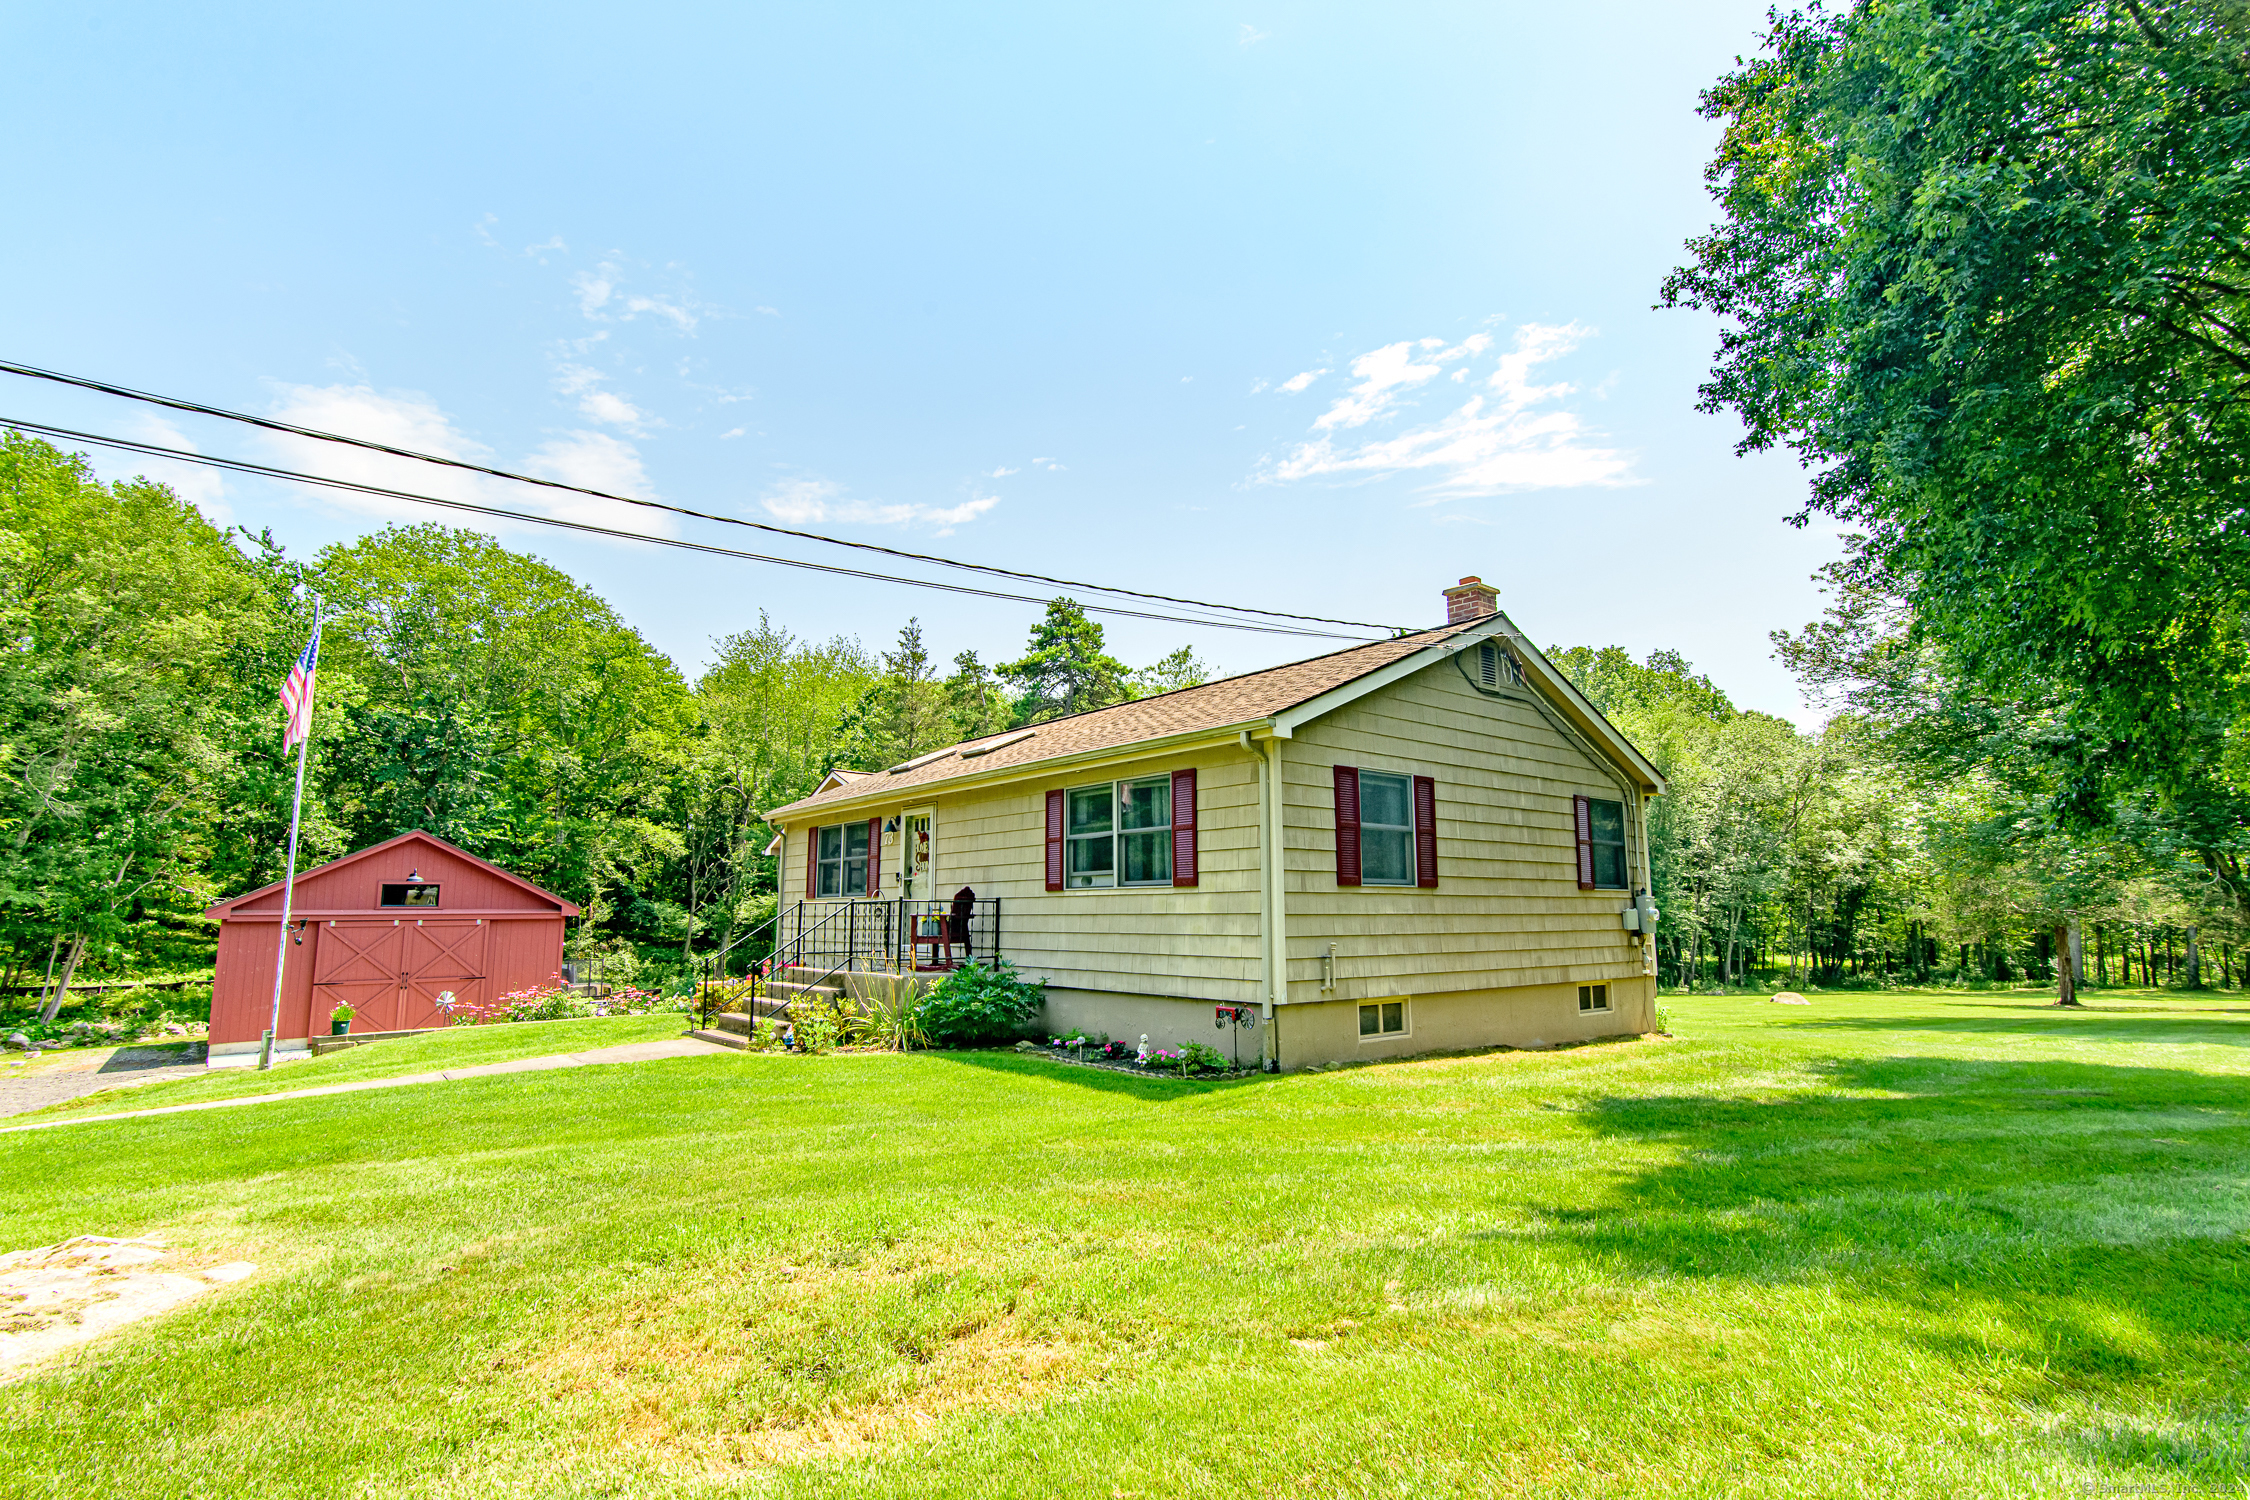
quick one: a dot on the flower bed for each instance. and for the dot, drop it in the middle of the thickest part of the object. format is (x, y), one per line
(1097, 1050)
(556, 1002)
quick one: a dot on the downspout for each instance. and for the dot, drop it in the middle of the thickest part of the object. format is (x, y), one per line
(1273, 958)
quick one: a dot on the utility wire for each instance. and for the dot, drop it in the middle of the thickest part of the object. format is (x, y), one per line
(105, 388)
(241, 466)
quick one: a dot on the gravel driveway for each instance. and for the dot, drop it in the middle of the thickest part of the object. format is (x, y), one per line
(56, 1076)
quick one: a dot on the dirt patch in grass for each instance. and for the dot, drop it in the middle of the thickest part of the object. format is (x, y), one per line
(59, 1296)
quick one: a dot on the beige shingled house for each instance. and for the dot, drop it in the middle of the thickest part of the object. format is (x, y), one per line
(1429, 843)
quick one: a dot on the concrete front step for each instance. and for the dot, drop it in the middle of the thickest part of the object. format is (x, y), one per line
(724, 1038)
(738, 1024)
(815, 991)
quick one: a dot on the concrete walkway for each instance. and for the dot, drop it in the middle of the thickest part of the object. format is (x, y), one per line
(630, 1052)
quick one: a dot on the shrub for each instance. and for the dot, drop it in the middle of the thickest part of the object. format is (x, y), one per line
(974, 1005)
(816, 1030)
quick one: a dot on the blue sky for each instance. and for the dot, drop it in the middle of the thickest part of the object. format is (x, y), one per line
(1310, 307)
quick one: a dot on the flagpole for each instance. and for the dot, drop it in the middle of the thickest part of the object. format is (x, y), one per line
(289, 881)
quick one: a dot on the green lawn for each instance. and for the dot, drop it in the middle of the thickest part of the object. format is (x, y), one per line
(1897, 1245)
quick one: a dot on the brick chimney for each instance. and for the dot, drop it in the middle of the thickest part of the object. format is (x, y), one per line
(1470, 600)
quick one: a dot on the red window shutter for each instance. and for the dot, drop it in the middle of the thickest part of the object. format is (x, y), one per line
(812, 863)
(1425, 832)
(875, 858)
(1347, 825)
(1585, 843)
(1183, 828)
(1054, 841)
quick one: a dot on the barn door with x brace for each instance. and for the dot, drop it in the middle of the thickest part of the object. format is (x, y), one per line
(442, 971)
(357, 964)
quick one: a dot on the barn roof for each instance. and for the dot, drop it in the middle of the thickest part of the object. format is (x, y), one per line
(227, 907)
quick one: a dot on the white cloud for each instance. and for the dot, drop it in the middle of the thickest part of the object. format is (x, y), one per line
(600, 299)
(204, 488)
(596, 404)
(1001, 473)
(1299, 381)
(1250, 36)
(609, 407)
(554, 244)
(412, 421)
(732, 432)
(595, 461)
(681, 318)
(1510, 435)
(398, 419)
(594, 289)
(806, 502)
(1385, 374)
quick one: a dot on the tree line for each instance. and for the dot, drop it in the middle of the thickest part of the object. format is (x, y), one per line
(487, 697)
(1859, 853)
(465, 689)
(1981, 265)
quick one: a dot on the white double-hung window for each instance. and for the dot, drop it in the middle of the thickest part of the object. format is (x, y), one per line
(1386, 829)
(1119, 833)
(842, 861)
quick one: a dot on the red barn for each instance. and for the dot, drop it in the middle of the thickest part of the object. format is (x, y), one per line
(389, 931)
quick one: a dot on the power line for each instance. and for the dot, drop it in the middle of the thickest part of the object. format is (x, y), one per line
(268, 423)
(267, 471)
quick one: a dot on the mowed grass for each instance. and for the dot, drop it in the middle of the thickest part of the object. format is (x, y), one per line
(1897, 1245)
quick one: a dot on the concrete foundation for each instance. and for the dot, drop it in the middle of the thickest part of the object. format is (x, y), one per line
(1321, 1032)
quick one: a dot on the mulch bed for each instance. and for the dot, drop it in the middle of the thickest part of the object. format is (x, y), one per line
(1135, 1070)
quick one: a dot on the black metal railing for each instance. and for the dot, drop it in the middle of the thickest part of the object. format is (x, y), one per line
(902, 936)
(806, 944)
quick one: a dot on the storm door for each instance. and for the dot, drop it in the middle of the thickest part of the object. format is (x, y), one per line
(914, 858)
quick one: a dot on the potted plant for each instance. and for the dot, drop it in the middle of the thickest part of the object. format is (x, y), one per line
(340, 1020)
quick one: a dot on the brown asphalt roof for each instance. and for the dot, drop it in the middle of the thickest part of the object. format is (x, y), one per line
(1214, 705)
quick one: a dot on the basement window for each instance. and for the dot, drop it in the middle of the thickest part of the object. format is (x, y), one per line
(1383, 1018)
(402, 893)
(1593, 997)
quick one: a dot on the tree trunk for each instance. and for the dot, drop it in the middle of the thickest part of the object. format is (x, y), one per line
(2077, 955)
(2194, 963)
(62, 983)
(48, 982)
(2066, 987)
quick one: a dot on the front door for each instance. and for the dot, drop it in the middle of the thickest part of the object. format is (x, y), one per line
(357, 964)
(442, 971)
(914, 858)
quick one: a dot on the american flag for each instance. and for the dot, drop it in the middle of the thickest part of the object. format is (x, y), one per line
(297, 692)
